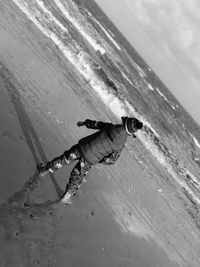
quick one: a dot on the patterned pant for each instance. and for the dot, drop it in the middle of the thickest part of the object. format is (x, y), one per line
(79, 171)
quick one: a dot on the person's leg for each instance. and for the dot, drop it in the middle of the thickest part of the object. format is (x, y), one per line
(75, 180)
(67, 157)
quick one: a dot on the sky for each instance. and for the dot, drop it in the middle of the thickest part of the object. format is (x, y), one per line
(166, 33)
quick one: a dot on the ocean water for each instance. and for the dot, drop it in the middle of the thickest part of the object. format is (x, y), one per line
(124, 83)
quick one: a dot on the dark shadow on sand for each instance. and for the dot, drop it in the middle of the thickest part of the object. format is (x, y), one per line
(20, 197)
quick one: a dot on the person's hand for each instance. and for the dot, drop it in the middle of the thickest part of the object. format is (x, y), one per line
(80, 123)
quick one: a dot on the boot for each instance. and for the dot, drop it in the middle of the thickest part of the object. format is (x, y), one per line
(43, 170)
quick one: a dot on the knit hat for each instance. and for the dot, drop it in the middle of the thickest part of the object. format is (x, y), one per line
(131, 124)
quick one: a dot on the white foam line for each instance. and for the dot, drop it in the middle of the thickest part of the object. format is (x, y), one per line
(112, 40)
(161, 94)
(126, 78)
(173, 106)
(111, 33)
(165, 98)
(79, 27)
(195, 140)
(48, 33)
(97, 22)
(108, 35)
(150, 87)
(141, 72)
(51, 17)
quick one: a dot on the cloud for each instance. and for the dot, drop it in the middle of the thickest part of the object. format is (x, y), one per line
(191, 9)
(138, 10)
(170, 23)
(183, 36)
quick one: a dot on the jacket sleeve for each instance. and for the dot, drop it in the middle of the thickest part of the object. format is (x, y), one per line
(96, 125)
(111, 159)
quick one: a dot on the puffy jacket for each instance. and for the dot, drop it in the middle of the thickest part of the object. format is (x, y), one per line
(110, 138)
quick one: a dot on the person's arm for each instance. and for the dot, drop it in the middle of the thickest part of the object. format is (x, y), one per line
(96, 125)
(111, 159)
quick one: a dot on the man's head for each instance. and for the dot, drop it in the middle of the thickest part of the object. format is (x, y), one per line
(131, 125)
